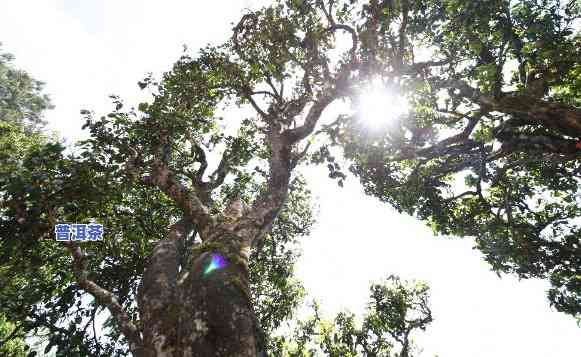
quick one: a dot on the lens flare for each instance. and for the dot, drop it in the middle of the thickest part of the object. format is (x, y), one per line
(217, 262)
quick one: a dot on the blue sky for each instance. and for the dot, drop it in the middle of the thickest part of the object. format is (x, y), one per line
(87, 50)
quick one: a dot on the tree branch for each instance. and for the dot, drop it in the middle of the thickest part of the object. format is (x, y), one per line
(301, 132)
(352, 32)
(402, 29)
(97, 345)
(259, 218)
(157, 290)
(163, 178)
(524, 143)
(200, 155)
(218, 176)
(563, 118)
(296, 157)
(265, 92)
(247, 93)
(467, 193)
(103, 297)
(417, 68)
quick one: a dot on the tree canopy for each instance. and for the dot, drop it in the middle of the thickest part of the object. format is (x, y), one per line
(488, 148)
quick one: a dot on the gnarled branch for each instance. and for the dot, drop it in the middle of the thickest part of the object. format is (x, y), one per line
(200, 155)
(104, 297)
(218, 176)
(301, 132)
(188, 200)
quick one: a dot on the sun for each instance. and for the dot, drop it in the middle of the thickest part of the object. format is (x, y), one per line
(378, 105)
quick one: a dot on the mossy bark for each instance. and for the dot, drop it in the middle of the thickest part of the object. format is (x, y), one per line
(198, 311)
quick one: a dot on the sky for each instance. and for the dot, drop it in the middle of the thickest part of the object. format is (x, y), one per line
(87, 50)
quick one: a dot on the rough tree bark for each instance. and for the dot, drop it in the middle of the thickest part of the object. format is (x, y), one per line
(205, 310)
(198, 312)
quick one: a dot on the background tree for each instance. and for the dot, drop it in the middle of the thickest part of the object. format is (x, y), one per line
(21, 99)
(396, 309)
(22, 106)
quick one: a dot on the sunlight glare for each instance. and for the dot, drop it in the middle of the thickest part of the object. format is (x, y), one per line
(379, 105)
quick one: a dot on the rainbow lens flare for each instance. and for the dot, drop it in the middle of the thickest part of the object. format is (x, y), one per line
(217, 262)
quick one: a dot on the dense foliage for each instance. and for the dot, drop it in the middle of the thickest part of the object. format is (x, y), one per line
(37, 286)
(22, 106)
(489, 149)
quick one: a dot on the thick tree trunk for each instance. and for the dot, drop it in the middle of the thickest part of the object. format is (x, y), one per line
(204, 310)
